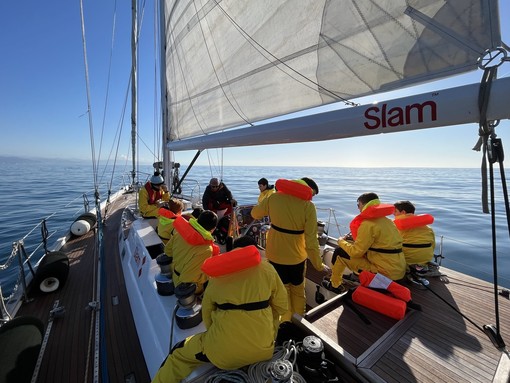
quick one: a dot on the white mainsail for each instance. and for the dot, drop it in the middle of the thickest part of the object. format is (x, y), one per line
(233, 63)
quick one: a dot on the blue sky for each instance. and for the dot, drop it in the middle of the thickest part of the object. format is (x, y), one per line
(44, 104)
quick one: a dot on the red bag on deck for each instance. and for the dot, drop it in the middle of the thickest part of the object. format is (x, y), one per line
(384, 304)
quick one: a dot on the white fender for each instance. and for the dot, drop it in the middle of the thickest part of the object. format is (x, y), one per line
(80, 227)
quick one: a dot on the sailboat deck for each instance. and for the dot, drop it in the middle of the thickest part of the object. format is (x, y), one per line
(435, 344)
(69, 354)
(431, 345)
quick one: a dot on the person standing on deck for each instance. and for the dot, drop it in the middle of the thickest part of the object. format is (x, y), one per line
(419, 239)
(374, 244)
(167, 217)
(152, 195)
(292, 237)
(218, 197)
(190, 245)
(241, 311)
(265, 189)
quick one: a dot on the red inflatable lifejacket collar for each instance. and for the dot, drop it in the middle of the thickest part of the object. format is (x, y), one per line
(232, 261)
(189, 234)
(411, 221)
(294, 188)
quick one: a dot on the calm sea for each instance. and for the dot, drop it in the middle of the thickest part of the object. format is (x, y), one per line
(36, 189)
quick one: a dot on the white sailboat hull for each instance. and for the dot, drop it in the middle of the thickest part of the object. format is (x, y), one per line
(152, 313)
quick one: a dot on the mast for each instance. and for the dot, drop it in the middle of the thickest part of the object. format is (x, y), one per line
(134, 83)
(167, 155)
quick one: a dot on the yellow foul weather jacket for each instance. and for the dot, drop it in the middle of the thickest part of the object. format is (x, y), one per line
(415, 242)
(291, 213)
(189, 255)
(166, 224)
(148, 206)
(265, 193)
(237, 337)
(378, 233)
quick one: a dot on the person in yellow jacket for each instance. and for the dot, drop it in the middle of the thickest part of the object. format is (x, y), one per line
(265, 189)
(167, 217)
(241, 313)
(419, 239)
(150, 197)
(374, 244)
(292, 237)
(190, 245)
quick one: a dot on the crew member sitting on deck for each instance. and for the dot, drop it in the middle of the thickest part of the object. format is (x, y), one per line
(265, 189)
(241, 311)
(152, 195)
(167, 217)
(292, 237)
(419, 239)
(374, 244)
(190, 245)
(218, 198)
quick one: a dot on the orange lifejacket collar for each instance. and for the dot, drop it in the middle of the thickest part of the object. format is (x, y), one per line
(232, 261)
(167, 213)
(294, 188)
(406, 222)
(375, 211)
(189, 234)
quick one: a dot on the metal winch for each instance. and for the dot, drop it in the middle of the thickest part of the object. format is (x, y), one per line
(281, 371)
(189, 312)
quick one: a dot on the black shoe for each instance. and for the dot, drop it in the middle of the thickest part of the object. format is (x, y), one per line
(326, 283)
(351, 279)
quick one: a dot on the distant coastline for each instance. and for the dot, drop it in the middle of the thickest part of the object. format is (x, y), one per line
(28, 159)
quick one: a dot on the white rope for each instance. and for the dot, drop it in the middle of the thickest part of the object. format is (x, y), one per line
(260, 372)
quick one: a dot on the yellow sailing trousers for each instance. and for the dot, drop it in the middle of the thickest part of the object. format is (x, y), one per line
(181, 362)
(297, 300)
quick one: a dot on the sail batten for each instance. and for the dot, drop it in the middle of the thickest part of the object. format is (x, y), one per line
(232, 63)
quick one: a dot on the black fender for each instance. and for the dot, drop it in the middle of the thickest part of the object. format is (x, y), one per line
(52, 272)
(21, 340)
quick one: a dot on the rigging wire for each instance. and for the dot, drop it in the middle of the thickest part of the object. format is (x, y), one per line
(108, 80)
(87, 86)
(218, 165)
